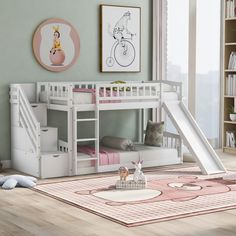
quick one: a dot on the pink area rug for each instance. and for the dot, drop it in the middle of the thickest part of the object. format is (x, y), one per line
(170, 194)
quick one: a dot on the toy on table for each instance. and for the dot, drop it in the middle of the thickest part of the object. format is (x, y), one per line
(11, 181)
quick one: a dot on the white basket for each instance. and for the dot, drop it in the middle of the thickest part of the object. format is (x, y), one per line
(130, 184)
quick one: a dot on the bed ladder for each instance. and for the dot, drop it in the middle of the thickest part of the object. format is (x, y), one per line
(76, 140)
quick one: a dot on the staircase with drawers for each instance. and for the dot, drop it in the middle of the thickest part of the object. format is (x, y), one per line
(33, 139)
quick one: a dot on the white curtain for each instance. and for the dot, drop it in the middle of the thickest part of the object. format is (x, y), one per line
(159, 46)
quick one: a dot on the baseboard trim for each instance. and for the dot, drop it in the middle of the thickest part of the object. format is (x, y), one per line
(6, 164)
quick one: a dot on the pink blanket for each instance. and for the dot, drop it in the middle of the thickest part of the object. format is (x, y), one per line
(101, 93)
(105, 157)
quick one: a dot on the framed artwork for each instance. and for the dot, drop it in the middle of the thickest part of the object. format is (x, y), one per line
(120, 38)
(56, 44)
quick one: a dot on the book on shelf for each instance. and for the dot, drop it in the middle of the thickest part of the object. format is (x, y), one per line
(230, 86)
(232, 61)
(230, 139)
(230, 8)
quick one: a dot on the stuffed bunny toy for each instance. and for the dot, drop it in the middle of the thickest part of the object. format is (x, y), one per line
(138, 174)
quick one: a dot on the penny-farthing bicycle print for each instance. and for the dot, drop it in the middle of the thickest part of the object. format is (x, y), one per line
(122, 51)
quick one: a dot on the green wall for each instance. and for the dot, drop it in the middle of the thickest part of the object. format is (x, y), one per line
(18, 21)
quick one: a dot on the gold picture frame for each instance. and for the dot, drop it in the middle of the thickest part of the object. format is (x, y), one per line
(120, 37)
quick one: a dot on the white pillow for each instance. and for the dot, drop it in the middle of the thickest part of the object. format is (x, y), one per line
(11, 181)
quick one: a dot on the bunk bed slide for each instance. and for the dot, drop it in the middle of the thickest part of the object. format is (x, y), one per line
(206, 157)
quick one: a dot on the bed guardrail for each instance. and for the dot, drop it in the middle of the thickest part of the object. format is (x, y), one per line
(63, 146)
(171, 140)
(172, 86)
(109, 91)
(128, 91)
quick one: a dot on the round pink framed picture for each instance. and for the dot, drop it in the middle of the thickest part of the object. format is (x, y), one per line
(56, 44)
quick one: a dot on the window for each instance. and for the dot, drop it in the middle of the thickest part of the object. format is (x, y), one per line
(177, 42)
(177, 46)
(206, 84)
(208, 68)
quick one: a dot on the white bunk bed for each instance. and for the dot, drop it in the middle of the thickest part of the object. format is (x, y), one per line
(36, 149)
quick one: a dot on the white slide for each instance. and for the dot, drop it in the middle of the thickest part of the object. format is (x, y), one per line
(195, 140)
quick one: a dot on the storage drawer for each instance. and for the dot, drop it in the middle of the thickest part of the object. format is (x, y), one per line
(54, 164)
(40, 111)
(48, 139)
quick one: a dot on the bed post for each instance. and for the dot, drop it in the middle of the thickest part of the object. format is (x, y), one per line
(70, 129)
(161, 115)
(38, 89)
(181, 140)
(140, 124)
(97, 114)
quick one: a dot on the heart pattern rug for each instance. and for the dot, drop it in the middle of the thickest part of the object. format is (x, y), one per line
(170, 194)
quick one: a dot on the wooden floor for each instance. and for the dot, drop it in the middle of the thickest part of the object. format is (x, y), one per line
(24, 212)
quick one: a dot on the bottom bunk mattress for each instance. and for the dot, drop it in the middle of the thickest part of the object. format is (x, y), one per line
(151, 156)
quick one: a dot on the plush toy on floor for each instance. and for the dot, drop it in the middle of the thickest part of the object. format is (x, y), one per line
(11, 181)
(138, 174)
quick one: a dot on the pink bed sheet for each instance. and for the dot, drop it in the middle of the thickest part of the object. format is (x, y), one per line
(106, 157)
(101, 93)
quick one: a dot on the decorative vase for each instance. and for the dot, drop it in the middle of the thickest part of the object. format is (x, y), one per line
(232, 117)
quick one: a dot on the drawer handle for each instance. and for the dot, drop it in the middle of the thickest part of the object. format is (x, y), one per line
(34, 106)
(45, 130)
(56, 155)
